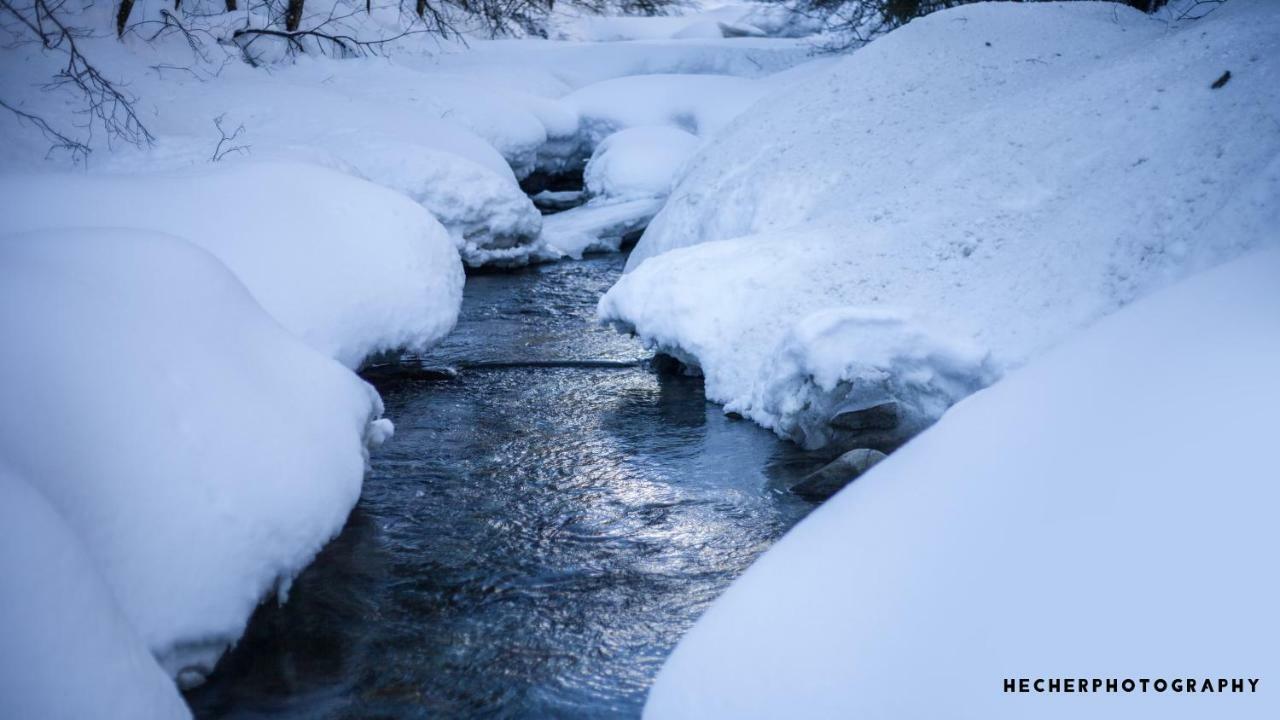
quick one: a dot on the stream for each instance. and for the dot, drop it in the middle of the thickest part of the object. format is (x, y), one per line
(542, 528)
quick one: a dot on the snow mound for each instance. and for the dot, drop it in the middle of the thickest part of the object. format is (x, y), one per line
(639, 162)
(1010, 172)
(697, 104)
(200, 453)
(68, 652)
(352, 268)
(599, 226)
(1057, 524)
(838, 363)
(489, 217)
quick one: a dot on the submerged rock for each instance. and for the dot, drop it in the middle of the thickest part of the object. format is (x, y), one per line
(828, 480)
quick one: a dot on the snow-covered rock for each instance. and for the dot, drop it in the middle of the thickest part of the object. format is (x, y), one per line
(697, 104)
(201, 454)
(638, 162)
(350, 267)
(1004, 172)
(1106, 511)
(598, 226)
(68, 652)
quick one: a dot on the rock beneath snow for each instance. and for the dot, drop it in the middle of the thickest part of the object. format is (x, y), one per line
(876, 416)
(558, 200)
(829, 479)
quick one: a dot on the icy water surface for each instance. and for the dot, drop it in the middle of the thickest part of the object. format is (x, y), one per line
(534, 539)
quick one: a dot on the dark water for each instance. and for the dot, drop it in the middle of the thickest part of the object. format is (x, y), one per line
(534, 539)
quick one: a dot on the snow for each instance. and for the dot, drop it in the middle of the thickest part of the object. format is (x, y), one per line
(639, 162)
(1008, 172)
(598, 226)
(702, 24)
(68, 652)
(1103, 512)
(200, 454)
(361, 272)
(698, 104)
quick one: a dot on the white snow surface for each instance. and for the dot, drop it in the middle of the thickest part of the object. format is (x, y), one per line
(1007, 172)
(200, 454)
(598, 226)
(639, 162)
(350, 267)
(1103, 512)
(68, 652)
(697, 104)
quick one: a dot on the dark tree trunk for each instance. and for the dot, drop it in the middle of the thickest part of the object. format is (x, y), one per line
(421, 7)
(122, 16)
(293, 15)
(231, 5)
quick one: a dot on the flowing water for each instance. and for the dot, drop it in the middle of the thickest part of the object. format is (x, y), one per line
(543, 527)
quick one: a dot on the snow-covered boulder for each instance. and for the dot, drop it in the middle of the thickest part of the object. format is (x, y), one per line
(997, 175)
(68, 652)
(1107, 511)
(350, 267)
(638, 162)
(697, 104)
(200, 452)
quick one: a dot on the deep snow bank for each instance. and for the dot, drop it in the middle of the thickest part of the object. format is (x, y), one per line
(1005, 172)
(1106, 511)
(350, 267)
(200, 453)
(68, 653)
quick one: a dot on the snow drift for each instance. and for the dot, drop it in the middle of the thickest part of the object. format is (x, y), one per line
(1106, 511)
(1007, 172)
(68, 652)
(350, 267)
(200, 454)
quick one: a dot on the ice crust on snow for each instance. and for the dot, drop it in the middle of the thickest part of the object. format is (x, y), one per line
(1073, 515)
(199, 453)
(1007, 172)
(360, 272)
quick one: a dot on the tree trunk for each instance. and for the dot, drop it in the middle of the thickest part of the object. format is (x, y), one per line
(422, 7)
(122, 16)
(231, 5)
(293, 15)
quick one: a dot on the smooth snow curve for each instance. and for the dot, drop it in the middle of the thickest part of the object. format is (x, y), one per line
(200, 453)
(1107, 511)
(352, 268)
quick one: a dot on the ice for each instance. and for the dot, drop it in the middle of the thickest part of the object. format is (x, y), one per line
(1061, 523)
(200, 454)
(360, 272)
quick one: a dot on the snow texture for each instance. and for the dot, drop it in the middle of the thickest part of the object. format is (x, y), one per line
(68, 652)
(1104, 511)
(638, 162)
(360, 272)
(1008, 172)
(200, 454)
